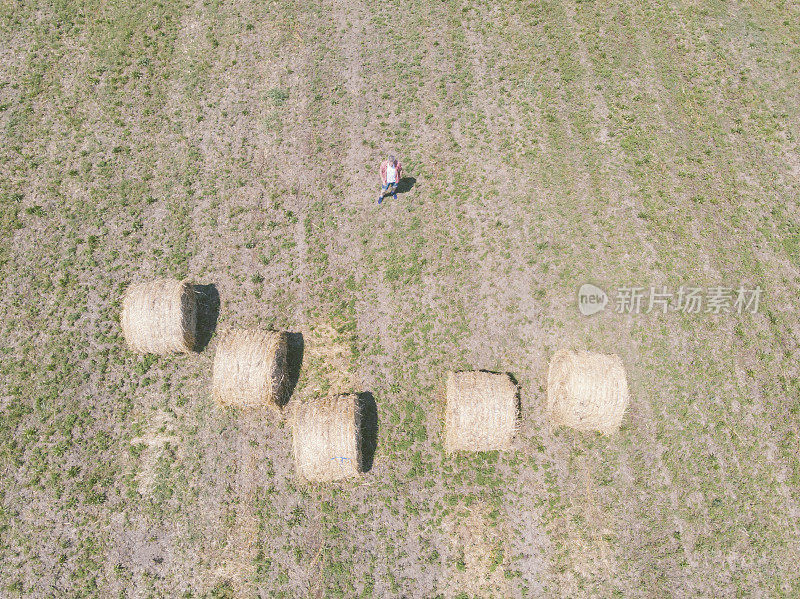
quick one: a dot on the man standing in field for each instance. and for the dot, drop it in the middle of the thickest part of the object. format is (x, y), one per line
(390, 177)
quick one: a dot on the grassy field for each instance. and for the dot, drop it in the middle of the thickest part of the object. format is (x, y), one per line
(551, 143)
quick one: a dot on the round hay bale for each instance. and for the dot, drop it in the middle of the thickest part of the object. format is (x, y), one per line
(251, 369)
(326, 438)
(587, 391)
(481, 411)
(160, 317)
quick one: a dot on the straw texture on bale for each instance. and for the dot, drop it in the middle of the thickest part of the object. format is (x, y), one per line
(250, 369)
(587, 391)
(481, 411)
(160, 317)
(326, 438)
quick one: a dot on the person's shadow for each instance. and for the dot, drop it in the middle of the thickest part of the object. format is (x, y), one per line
(207, 314)
(405, 184)
(369, 429)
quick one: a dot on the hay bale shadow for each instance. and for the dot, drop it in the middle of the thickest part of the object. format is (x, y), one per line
(405, 184)
(369, 429)
(294, 362)
(518, 394)
(207, 314)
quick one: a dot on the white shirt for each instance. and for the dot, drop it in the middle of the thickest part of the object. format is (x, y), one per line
(391, 174)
